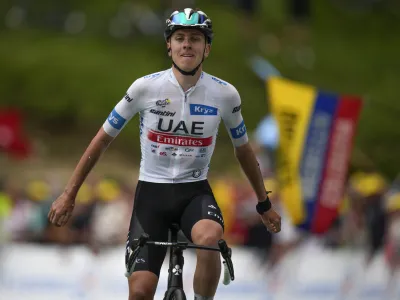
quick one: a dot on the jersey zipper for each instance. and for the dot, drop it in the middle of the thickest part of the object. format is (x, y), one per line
(183, 110)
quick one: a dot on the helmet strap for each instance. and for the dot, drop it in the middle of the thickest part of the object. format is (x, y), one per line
(189, 73)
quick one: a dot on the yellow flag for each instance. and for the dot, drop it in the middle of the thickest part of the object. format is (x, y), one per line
(291, 105)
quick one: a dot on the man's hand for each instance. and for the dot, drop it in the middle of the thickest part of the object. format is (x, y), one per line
(272, 220)
(61, 210)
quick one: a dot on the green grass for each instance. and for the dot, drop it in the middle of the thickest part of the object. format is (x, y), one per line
(66, 85)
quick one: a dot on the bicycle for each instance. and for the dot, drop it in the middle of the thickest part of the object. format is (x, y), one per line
(176, 260)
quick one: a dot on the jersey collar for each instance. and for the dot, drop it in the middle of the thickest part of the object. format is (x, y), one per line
(172, 78)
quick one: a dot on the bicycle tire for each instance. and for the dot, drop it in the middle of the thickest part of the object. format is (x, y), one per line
(178, 294)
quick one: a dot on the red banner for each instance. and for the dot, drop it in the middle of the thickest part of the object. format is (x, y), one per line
(12, 139)
(338, 157)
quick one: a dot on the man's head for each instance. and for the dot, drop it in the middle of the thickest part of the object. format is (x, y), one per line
(188, 35)
(188, 48)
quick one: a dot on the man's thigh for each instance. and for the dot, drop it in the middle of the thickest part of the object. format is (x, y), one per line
(147, 218)
(202, 207)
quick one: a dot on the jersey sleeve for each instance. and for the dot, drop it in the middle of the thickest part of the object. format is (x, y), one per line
(125, 109)
(232, 118)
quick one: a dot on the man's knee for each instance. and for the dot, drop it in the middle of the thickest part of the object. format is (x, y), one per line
(139, 295)
(142, 285)
(207, 233)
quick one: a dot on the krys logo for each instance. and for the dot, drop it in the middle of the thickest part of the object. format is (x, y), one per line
(116, 120)
(163, 103)
(202, 110)
(239, 131)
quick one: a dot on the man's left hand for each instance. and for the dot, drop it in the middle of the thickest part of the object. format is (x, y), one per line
(272, 220)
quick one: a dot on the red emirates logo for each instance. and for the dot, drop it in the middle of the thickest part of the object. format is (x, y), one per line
(178, 140)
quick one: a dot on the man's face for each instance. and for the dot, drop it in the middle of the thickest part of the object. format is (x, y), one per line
(187, 48)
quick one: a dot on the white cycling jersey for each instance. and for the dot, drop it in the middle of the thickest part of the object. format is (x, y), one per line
(178, 129)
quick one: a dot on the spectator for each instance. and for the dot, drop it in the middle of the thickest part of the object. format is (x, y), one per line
(111, 214)
(368, 190)
(25, 222)
(224, 193)
(392, 241)
(83, 217)
(257, 236)
(266, 138)
(5, 212)
(38, 192)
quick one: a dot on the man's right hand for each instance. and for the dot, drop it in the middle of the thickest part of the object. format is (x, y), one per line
(61, 210)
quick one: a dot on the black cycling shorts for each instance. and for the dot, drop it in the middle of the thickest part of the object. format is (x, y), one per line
(158, 205)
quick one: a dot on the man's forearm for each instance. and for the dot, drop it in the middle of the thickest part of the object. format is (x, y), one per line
(250, 167)
(88, 160)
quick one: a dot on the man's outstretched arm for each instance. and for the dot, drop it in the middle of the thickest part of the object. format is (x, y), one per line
(62, 207)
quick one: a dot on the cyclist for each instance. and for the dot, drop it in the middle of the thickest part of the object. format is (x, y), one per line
(180, 110)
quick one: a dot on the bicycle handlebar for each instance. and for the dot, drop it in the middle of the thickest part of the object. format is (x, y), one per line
(223, 248)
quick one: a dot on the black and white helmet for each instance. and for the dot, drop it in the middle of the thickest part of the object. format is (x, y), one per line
(189, 18)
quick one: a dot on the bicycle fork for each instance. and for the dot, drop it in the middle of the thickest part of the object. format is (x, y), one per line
(176, 262)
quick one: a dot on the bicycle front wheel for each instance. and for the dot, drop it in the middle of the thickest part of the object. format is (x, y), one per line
(178, 294)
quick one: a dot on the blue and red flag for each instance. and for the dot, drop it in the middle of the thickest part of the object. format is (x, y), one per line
(317, 132)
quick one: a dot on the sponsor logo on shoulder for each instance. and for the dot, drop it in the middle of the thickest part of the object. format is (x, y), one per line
(163, 103)
(127, 98)
(219, 80)
(163, 113)
(116, 120)
(236, 109)
(204, 110)
(239, 131)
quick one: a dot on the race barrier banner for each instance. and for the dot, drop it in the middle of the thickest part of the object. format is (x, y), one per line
(309, 272)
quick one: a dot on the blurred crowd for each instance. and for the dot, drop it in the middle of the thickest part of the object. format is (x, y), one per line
(369, 217)
(101, 217)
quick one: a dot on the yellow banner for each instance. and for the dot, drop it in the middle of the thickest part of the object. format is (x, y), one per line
(291, 105)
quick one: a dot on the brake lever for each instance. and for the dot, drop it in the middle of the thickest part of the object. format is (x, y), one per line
(142, 240)
(227, 254)
(132, 254)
